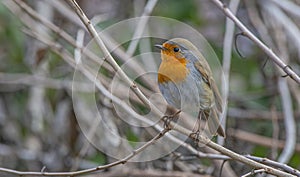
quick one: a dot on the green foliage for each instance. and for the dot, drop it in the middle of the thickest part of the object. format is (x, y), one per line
(11, 41)
(295, 161)
(131, 137)
(263, 127)
(19, 99)
(57, 66)
(179, 10)
(98, 158)
(261, 151)
(206, 162)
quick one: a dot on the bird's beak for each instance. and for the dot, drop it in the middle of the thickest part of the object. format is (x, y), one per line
(160, 47)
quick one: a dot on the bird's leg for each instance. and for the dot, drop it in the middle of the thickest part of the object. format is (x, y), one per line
(197, 126)
(169, 118)
(196, 130)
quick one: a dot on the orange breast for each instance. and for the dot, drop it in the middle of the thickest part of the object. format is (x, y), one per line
(172, 69)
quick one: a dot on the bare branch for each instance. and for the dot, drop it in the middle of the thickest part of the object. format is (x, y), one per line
(110, 59)
(254, 172)
(289, 6)
(287, 106)
(79, 42)
(140, 27)
(55, 29)
(275, 164)
(258, 42)
(200, 140)
(289, 121)
(35, 80)
(227, 48)
(98, 168)
(257, 139)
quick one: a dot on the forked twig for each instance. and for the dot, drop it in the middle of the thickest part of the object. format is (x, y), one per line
(258, 42)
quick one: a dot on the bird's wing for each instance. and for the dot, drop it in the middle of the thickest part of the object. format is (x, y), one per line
(207, 78)
(218, 98)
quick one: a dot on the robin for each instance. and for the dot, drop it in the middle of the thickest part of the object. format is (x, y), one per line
(186, 82)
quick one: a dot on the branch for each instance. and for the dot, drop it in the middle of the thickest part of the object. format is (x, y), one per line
(289, 121)
(289, 6)
(251, 173)
(259, 43)
(287, 106)
(60, 32)
(257, 139)
(98, 168)
(227, 49)
(203, 140)
(110, 59)
(275, 164)
(35, 80)
(140, 27)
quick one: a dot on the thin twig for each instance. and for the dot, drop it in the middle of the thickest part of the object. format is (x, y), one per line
(253, 172)
(275, 133)
(79, 42)
(257, 139)
(67, 12)
(35, 80)
(266, 161)
(287, 106)
(289, 6)
(287, 23)
(89, 73)
(256, 114)
(227, 48)
(224, 168)
(111, 60)
(259, 43)
(110, 43)
(60, 32)
(140, 27)
(98, 168)
(289, 121)
(69, 39)
(203, 140)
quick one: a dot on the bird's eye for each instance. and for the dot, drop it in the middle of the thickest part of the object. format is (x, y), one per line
(176, 49)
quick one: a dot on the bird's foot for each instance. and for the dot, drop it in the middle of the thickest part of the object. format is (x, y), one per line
(195, 135)
(169, 118)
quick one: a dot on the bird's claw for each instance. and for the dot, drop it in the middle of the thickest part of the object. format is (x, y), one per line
(195, 135)
(168, 119)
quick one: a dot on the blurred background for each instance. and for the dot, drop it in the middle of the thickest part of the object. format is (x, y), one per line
(38, 126)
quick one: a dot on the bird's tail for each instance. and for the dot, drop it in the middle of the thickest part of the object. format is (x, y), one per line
(213, 122)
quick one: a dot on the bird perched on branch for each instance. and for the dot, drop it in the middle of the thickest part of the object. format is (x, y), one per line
(186, 82)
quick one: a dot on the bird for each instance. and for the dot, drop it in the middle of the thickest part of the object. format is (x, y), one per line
(186, 82)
